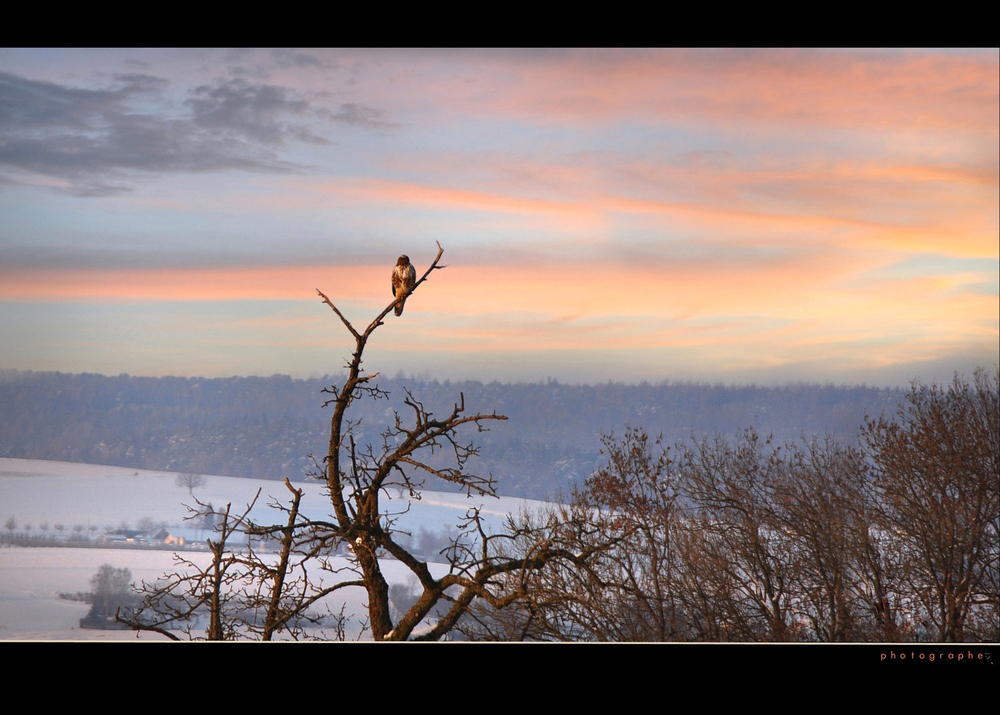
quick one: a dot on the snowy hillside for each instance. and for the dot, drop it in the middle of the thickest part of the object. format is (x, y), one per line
(87, 500)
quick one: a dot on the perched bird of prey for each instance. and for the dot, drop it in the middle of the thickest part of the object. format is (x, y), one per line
(404, 277)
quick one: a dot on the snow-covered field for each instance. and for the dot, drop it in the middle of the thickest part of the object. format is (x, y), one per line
(40, 492)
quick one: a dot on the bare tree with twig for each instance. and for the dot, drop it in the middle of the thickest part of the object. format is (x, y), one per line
(265, 597)
(357, 476)
(244, 592)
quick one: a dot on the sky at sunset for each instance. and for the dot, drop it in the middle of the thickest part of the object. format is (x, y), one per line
(764, 216)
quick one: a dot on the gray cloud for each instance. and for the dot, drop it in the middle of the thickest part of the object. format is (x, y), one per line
(295, 58)
(360, 115)
(101, 141)
(30, 105)
(255, 112)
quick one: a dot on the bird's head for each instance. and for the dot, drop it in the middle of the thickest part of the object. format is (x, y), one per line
(403, 261)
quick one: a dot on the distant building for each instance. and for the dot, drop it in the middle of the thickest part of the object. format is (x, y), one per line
(138, 536)
(165, 537)
(129, 536)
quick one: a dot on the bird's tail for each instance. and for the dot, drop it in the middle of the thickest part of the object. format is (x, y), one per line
(399, 308)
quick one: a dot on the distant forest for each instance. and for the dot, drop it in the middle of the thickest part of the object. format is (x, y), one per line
(266, 427)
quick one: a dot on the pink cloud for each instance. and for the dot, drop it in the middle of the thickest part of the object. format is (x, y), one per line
(888, 89)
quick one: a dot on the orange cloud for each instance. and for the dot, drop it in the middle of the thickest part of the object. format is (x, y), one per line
(196, 284)
(569, 288)
(813, 306)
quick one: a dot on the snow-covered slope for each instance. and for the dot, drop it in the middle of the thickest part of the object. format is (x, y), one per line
(38, 492)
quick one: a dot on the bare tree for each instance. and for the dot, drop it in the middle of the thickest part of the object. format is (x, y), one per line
(638, 585)
(816, 507)
(241, 593)
(357, 475)
(184, 598)
(191, 481)
(879, 569)
(732, 489)
(247, 595)
(745, 540)
(287, 592)
(937, 477)
(627, 514)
